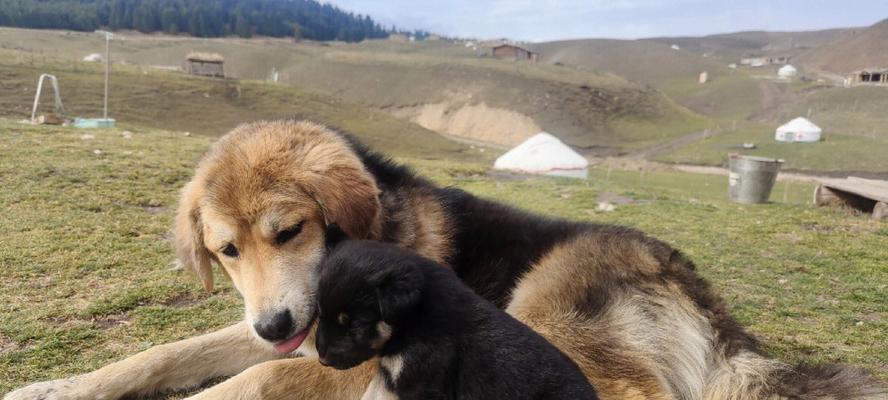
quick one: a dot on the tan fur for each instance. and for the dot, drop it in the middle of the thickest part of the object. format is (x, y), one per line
(384, 333)
(425, 226)
(298, 166)
(300, 378)
(744, 376)
(546, 299)
(431, 233)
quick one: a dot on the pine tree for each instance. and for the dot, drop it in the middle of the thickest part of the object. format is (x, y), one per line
(299, 19)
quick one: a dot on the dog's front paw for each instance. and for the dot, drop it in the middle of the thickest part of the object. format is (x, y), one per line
(50, 390)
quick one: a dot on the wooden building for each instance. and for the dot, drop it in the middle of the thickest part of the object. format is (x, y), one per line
(205, 64)
(871, 76)
(512, 52)
(762, 61)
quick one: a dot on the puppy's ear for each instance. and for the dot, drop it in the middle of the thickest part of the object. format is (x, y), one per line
(345, 191)
(399, 293)
(334, 235)
(190, 250)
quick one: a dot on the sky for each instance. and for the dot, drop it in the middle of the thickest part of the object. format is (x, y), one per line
(542, 20)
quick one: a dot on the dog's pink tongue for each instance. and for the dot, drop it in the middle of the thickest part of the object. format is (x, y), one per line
(291, 344)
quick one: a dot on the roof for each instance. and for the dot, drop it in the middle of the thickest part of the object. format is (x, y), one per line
(787, 71)
(205, 57)
(512, 45)
(799, 124)
(541, 153)
(872, 70)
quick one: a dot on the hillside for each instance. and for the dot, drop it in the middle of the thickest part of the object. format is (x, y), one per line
(730, 47)
(852, 50)
(728, 95)
(645, 61)
(443, 86)
(162, 99)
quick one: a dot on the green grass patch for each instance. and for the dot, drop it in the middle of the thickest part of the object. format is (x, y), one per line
(837, 152)
(88, 278)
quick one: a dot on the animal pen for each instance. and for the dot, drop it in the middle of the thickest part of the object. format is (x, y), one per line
(865, 195)
(205, 64)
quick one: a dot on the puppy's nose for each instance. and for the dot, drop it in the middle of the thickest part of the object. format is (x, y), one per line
(274, 327)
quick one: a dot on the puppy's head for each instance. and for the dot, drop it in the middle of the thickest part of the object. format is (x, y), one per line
(258, 205)
(367, 290)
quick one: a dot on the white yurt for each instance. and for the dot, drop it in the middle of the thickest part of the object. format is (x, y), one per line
(94, 57)
(798, 130)
(546, 155)
(787, 72)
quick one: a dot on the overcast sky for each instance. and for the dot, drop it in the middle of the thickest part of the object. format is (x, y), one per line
(539, 20)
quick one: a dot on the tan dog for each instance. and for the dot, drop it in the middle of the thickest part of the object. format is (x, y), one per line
(628, 309)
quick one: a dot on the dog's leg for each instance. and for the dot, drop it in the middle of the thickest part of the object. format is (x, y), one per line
(177, 365)
(299, 378)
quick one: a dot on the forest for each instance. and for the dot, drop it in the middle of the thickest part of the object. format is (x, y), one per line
(300, 19)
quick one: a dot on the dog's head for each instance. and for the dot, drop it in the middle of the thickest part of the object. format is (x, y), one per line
(366, 291)
(258, 205)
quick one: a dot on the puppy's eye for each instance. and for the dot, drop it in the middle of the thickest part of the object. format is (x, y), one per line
(230, 251)
(285, 235)
(342, 318)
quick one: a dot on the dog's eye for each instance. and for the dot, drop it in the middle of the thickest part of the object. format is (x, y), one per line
(285, 235)
(342, 318)
(230, 250)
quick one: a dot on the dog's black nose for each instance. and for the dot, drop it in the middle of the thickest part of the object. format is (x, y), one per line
(274, 327)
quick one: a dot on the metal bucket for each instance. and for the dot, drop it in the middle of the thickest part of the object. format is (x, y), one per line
(752, 178)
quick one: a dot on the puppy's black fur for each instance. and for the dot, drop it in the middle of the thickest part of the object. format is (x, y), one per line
(436, 339)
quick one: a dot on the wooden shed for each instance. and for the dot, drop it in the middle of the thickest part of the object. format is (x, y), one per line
(205, 64)
(866, 195)
(870, 76)
(513, 52)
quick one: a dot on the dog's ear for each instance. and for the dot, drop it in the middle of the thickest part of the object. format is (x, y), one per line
(346, 192)
(334, 235)
(399, 292)
(188, 232)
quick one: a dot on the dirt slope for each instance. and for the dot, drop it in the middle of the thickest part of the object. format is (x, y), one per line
(852, 50)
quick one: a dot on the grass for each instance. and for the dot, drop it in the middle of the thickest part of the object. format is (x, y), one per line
(587, 109)
(86, 262)
(837, 152)
(151, 98)
(730, 96)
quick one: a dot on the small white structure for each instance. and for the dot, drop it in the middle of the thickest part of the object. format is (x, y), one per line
(546, 155)
(94, 57)
(675, 47)
(787, 72)
(798, 130)
(704, 77)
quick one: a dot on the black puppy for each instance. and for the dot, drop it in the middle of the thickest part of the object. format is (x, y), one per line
(435, 338)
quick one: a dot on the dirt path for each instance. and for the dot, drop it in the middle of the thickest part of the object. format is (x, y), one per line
(670, 145)
(627, 163)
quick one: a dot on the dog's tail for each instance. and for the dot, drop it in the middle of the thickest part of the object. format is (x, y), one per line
(748, 375)
(830, 381)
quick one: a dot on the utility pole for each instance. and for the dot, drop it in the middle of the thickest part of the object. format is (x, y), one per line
(108, 36)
